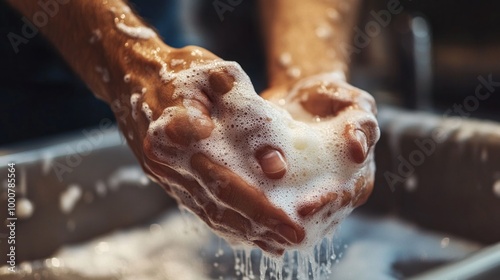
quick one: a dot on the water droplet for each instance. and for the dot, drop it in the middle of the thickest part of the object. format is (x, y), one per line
(174, 62)
(96, 36)
(126, 9)
(285, 59)
(196, 52)
(293, 72)
(333, 14)
(323, 31)
(139, 32)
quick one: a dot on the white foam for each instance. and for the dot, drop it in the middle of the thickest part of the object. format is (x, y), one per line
(126, 78)
(139, 32)
(147, 111)
(127, 175)
(285, 59)
(25, 208)
(138, 254)
(69, 198)
(316, 152)
(174, 62)
(166, 75)
(134, 98)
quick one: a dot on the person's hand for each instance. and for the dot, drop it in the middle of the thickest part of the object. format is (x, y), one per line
(328, 99)
(170, 119)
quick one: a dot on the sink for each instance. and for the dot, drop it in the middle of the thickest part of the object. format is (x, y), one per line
(97, 216)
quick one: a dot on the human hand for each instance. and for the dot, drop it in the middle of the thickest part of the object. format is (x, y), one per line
(174, 130)
(329, 101)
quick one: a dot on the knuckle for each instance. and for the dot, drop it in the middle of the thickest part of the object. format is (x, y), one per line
(221, 82)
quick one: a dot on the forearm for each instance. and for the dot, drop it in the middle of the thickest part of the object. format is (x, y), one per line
(86, 34)
(305, 38)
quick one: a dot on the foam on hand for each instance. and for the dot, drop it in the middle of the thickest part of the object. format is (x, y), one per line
(316, 153)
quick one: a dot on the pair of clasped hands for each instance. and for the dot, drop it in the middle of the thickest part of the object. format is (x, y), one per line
(312, 32)
(233, 209)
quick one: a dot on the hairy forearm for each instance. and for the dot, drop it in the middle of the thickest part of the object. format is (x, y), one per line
(305, 38)
(87, 34)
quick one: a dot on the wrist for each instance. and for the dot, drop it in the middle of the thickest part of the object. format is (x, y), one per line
(313, 44)
(126, 51)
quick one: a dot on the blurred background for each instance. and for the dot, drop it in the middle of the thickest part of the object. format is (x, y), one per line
(428, 57)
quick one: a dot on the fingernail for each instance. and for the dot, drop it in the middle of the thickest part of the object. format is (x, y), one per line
(288, 232)
(363, 141)
(273, 164)
(359, 145)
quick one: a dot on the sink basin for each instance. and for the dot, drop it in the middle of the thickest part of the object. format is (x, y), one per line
(96, 216)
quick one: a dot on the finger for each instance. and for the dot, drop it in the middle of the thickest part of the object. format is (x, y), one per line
(190, 124)
(218, 217)
(311, 208)
(228, 220)
(249, 201)
(364, 192)
(272, 162)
